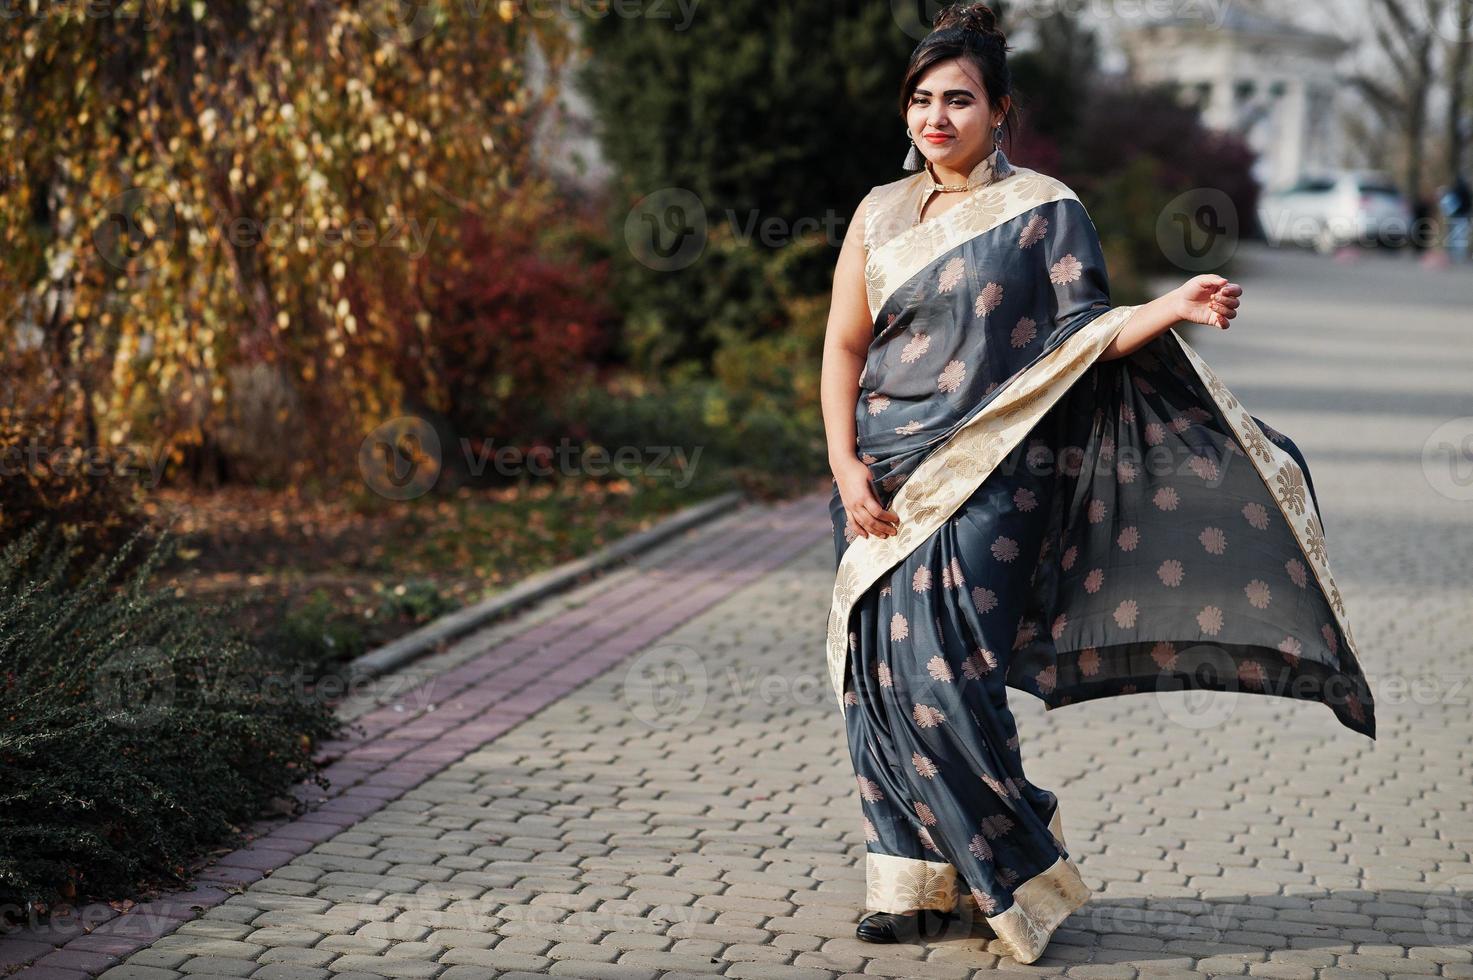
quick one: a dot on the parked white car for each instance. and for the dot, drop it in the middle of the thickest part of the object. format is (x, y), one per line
(1341, 208)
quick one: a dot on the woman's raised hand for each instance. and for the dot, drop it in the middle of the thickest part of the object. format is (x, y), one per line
(866, 515)
(1209, 299)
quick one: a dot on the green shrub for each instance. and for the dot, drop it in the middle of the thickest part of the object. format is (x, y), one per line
(136, 731)
(741, 67)
(315, 635)
(416, 600)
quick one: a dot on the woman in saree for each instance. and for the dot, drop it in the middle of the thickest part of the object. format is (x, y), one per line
(1033, 489)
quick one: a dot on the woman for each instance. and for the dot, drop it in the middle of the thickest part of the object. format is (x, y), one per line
(1035, 490)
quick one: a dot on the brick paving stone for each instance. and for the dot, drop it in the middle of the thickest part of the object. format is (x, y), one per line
(297, 956)
(290, 971)
(496, 959)
(219, 966)
(387, 966)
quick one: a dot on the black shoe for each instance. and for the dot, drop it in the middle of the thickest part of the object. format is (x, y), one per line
(903, 927)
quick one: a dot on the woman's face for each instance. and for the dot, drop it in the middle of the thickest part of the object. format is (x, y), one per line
(949, 116)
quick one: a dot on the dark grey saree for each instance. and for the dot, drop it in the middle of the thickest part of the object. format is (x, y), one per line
(1070, 527)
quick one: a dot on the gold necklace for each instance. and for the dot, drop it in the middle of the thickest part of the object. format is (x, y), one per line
(966, 185)
(937, 186)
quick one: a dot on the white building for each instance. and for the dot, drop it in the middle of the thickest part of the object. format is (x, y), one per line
(1267, 79)
(566, 141)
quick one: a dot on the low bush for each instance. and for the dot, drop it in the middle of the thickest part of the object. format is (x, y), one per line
(136, 731)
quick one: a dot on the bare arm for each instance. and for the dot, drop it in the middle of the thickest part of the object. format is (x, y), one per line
(1205, 299)
(845, 349)
(845, 345)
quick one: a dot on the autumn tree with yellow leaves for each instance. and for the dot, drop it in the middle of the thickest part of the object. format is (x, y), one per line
(199, 196)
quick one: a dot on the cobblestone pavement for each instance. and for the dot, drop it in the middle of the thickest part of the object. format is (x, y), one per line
(690, 810)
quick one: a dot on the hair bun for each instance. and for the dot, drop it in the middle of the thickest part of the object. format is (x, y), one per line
(975, 17)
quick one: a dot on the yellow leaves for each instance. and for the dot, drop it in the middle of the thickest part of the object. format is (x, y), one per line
(263, 158)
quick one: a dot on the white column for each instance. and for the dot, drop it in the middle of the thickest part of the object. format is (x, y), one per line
(1294, 132)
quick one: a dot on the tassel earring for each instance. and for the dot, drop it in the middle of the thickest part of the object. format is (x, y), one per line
(913, 159)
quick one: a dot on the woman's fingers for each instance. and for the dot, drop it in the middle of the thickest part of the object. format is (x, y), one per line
(868, 525)
(882, 513)
(870, 518)
(1224, 303)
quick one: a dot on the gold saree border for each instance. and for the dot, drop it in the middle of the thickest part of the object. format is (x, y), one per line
(1284, 478)
(1039, 906)
(953, 471)
(1022, 930)
(894, 261)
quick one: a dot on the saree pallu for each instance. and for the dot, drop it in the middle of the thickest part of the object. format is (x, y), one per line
(1070, 527)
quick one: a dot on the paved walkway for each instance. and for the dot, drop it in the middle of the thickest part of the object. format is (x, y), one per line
(649, 779)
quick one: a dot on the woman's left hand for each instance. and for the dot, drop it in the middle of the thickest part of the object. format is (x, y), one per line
(1208, 299)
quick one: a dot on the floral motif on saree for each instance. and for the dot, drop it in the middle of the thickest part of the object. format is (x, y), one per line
(1069, 527)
